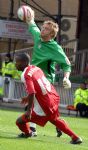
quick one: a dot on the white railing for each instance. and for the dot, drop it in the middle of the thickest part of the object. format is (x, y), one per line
(80, 66)
(66, 95)
(14, 90)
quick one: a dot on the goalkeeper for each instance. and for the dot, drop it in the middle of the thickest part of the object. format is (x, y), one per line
(47, 52)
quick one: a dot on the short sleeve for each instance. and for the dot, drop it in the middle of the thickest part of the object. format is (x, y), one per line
(29, 85)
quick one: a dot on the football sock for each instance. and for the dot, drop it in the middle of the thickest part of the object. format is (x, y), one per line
(23, 124)
(63, 126)
(24, 127)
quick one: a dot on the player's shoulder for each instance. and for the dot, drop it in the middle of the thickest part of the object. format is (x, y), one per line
(32, 70)
(33, 27)
(56, 44)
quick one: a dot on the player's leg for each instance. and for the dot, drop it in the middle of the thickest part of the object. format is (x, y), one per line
(82, 109)
(63, 126)
(32, 126)
(23, 125)
(59, 132)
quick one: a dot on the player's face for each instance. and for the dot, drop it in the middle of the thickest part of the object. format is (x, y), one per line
(46, 31)
(19, 65)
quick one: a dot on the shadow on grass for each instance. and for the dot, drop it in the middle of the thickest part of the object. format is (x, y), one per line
(39, 138)
(8, 135)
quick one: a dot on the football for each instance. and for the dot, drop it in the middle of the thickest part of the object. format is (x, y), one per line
(25, 13)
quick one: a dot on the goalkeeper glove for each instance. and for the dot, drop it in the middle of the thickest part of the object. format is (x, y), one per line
(66, 83)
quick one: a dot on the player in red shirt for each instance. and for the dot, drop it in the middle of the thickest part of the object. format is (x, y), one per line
(42, 100)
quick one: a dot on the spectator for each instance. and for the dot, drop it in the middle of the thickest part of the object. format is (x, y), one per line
(81, 100)
(9, 68)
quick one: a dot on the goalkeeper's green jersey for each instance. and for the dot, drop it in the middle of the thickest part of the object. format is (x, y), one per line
(47, 54)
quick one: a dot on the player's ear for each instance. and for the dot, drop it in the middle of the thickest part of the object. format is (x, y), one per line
(51, 34)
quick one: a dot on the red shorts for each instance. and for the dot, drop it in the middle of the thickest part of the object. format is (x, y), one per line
(40, 120)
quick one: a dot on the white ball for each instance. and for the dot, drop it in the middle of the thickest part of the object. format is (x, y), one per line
(25, 13)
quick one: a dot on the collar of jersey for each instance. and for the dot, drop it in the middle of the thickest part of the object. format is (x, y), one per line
(46, 41)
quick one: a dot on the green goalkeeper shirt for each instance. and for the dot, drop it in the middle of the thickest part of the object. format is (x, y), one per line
(47, 54)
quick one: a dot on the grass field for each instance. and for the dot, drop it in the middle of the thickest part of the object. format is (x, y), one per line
(46, 139)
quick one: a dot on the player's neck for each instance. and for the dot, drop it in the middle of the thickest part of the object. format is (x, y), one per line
(46, 39)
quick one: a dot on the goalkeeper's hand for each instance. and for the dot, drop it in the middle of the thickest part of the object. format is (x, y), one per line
(30, 20)
(66, 83)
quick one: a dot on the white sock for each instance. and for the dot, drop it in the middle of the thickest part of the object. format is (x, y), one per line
(32, 125)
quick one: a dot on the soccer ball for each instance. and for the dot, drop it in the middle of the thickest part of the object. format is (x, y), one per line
(25, 13)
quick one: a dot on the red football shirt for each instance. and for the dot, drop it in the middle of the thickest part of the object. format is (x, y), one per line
(45, 93)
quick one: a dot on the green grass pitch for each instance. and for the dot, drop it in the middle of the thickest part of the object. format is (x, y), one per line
(46, 139)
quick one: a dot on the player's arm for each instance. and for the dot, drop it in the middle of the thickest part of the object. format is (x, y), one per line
(31, 93)
(29, 101)
(27, 14)
(67, 74)
(63, 61)
(65, 65)
(30, 98)
(33, 28)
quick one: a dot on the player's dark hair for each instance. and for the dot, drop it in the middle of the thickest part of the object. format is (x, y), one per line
(24, 57)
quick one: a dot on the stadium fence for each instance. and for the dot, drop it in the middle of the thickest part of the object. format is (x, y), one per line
(14, 90)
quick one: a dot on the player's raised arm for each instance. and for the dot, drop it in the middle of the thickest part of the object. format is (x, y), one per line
(26, 14)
